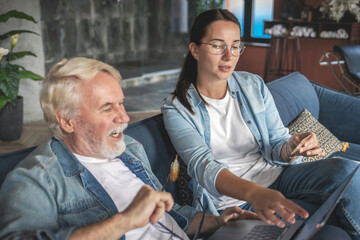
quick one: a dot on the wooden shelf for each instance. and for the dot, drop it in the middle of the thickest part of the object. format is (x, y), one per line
(352, 29)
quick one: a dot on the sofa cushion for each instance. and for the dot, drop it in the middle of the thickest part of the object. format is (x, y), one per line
(339, 112)
(292, 94)
(151, 133)
(305, 122)
(182, 184)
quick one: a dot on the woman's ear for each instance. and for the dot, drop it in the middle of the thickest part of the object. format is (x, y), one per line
(194, 50)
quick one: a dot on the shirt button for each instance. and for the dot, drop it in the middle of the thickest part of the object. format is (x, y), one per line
(249, 122)
(233, 93)
(260, 140)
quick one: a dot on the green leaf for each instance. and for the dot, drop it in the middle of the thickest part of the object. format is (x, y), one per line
(16, 14)
(217, 4)
(203, 5)
(29, 74)
(3, 100)
(9, 81)
(16, 55)
(9, 34)
(200, 6)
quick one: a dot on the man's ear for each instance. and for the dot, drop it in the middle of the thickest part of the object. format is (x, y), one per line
(194, 50)
(66, 124)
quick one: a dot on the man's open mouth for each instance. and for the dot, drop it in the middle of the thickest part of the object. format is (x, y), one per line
(115, 134)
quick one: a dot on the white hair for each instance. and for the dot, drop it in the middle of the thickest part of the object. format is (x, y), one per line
(60, 91)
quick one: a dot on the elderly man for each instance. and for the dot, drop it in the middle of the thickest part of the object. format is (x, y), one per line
(90, 181)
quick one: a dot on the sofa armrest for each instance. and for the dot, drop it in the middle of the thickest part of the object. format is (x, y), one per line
(340, 113)
(8, 161)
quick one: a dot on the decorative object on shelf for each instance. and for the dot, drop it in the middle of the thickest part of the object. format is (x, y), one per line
(315, 29)
(303, 31)
(277, 30)
(339, 34)
(290, 10)
(10, 75)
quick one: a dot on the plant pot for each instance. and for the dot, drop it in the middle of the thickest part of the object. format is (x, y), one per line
(11, 121)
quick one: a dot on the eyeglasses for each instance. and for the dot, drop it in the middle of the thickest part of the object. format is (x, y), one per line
(164, 229)
(219, 47)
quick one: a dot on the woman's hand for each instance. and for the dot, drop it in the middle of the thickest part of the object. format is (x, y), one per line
(305, 144)
(266, 202)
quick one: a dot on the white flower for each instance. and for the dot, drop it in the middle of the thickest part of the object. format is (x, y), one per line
(3, 52)
(14, 39)
(337, 8)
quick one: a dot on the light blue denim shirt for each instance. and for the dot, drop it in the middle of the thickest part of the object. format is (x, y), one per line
(51, 193)
(190, 134)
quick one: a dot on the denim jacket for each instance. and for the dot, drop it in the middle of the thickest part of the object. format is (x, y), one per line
(51, 193)
(190, 134)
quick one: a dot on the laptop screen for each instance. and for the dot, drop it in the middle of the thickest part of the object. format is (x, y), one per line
(319, 218)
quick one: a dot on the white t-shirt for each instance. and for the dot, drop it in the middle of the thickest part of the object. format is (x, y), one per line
(122, 186)
(233, 143)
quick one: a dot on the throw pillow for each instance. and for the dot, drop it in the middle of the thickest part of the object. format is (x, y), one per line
(185, 193)
(305, 122)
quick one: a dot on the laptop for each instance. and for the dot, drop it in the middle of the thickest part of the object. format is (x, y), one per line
(300, 230)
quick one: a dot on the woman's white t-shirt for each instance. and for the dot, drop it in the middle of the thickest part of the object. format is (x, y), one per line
(233, 143)
(122, 186)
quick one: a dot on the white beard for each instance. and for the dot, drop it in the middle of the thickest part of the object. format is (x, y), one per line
(99, 146)
(109, 152)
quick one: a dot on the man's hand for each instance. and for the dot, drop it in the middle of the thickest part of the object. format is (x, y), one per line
(148, 205)
(235, 213)
(266, 202)
(212, 223)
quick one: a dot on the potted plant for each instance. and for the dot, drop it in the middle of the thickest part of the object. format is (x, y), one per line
(11, 105)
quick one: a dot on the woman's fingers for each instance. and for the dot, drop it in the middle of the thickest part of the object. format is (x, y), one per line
(271, 204)
(306, 145)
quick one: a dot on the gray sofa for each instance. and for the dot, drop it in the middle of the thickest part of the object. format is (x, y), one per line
(337, 111)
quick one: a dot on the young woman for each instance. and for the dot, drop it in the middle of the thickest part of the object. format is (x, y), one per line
(226, 128)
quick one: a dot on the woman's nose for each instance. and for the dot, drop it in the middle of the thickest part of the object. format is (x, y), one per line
(227, 54)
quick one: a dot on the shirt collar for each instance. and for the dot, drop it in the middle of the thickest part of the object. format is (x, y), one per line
(194, 95)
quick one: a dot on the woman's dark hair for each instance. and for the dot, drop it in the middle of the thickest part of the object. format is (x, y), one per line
(188, 72)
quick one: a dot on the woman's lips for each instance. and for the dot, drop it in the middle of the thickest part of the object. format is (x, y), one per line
(225, 68)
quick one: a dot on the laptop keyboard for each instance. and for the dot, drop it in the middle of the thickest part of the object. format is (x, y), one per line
(263, 232)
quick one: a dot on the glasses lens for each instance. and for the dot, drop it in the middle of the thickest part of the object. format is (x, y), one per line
(237, 49)
(218, 47)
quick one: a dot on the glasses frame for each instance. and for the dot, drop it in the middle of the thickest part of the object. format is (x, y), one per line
(241, 51)
(166, 230)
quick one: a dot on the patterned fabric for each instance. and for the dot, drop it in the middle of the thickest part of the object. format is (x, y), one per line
(185, 193)
(305, 122)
